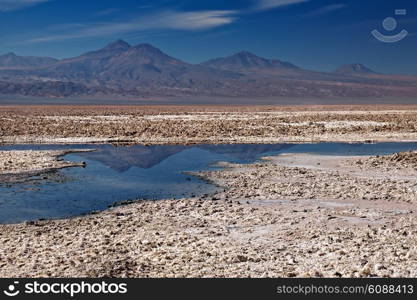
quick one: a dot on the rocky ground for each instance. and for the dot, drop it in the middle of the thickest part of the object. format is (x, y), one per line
(292, 216)
(206, 124)
(398, 161)
(17, 165)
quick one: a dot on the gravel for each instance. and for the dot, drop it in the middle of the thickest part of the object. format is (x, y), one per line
(271, 221)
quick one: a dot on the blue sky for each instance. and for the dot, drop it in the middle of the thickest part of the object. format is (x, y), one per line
(314, 34)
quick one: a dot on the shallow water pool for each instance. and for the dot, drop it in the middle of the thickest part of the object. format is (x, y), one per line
(119, 173)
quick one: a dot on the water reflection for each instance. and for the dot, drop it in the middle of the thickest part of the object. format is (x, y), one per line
(119, 173)
(122, 159)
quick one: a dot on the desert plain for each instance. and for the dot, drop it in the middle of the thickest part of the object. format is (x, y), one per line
(291, 215)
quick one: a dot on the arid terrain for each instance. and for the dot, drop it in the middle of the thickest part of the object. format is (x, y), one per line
(206, 124)
(291, 215)
(274, 219)
(18, 165)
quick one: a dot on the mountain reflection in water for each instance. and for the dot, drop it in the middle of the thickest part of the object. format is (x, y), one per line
(118, 173)
(122, 159)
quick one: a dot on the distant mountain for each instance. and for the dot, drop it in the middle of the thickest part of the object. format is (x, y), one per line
(120, 69)
(45, 89)
(11, 61)
(111, 49)
(354, 69)
(120, 65)
(246, 62)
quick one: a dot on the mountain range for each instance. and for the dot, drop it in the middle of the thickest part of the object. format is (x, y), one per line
(12, 61)
(120, 69)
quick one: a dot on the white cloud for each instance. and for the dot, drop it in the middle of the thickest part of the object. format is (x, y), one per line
(326, 9)
(9, 5)
(189, 21)
(162, 20)
(197, 20)
(270, 4)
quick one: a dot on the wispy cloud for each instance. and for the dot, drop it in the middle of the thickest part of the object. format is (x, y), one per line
(326, 10)
(198, 20)
(176, 20)
(160, 20)
(10, 5)
(107, 12)
(270, 4)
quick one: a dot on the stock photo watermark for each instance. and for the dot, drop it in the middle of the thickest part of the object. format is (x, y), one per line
(390, 24)
(59, 288)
